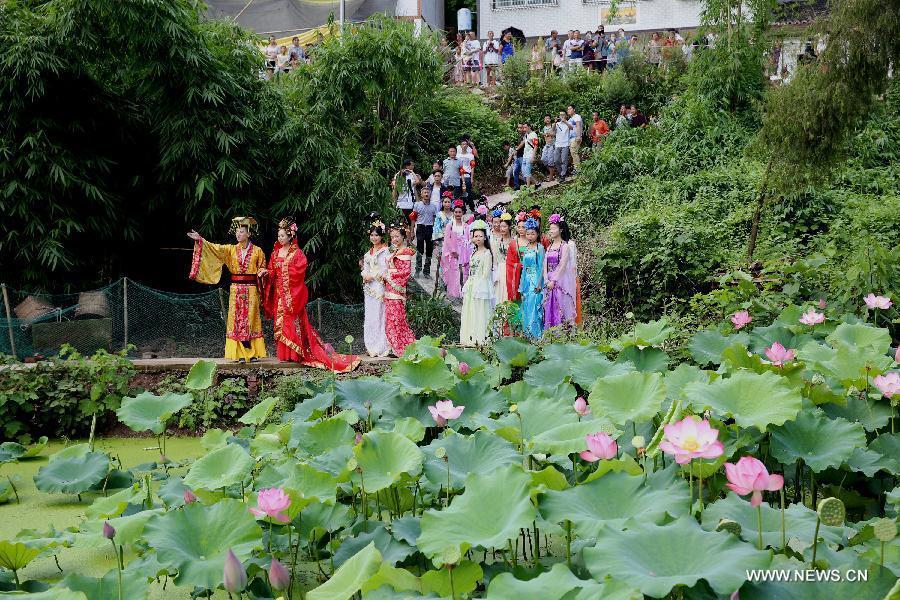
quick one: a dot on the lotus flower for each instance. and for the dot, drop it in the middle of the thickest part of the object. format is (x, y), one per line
(272, 502)
(600, 447)
(279, 577)
(189, 497)
(897, 355)
(873, 301)
(581, 407)
(741, 319)
(749, 475)
(443, 411)
(463, 368)
(811, 317)
(234, 575)
(358, 439)
(443, 353)
(779, 355)
(822, 304)
(888, 384)
(689, 439)
(109, 532)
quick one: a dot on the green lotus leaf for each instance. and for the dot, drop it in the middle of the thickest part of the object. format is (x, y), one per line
(113, 506)
(540, 413)
(482, 452)
(587, 369)
(134, 586)
(225, 466)
(513, 352)
(877, 586)
(850, 366)
(149, 412)
(647, 360)
(16, 555)
(319, 519)
(71, 451)
(171, 491)
(72, 475)
(763, 337)
(410, 428)
(555, 584)
(569, 438)
(479, 398)
(547, 374)
(356, 393)
(860, 336)
(870, 414)
(400, 580)
(314, 439)
(753, 399)
(201, 376)
(870, 462)
(35, 449)
(821, 442)
(800, 522)
(707, 346)
(11, 451)
(392, 550)
(566, 353)
(271, 440)
(888, 445)
(349, 577)
(128, 528)
(310, 408)
(624, 464)
(652, 333)
(54, 593)
(421, 375)
(656, 559)
(477, 518)
(549, 478)
(195, 539)
(616, 500)
(309, 483)
(259, 413)
(631, 396)
(678, 379)
(215, 438)
(383, 457)
(5, 491)
(466, 576)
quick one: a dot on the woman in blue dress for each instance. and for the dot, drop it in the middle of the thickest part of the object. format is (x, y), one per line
(531, 282)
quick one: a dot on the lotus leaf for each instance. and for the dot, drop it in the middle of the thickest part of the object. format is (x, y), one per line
(652, 333)
(647, 360)
(876, 587)
(54, 593)
(476, 518)
(569, 438)
(513, 352)
(35, 449)
(128, 528)
(314, 439)
(114, 505)
(392, 551)
(753, 399)
(134, 586)
(850, 366)
(466, 575)
(223, 467)
(707, 346)
(871, 414)
(547, 374)
(593, 366)
(201, 376)
(400, 580)
(309, 483)
(860, 336)
(75, 450)
(540, 413)
(654, 558)
(478, 453)
(321, 518)
(821, 442)
(869, 462)
(195, 539)
(383, 457)
(410, 428)
(349, 577)
(72, 475)
(616, 500)
(479, 398)
(356, 393)
(416, 376)
(566, 353)
(215, 438)
(5, 491)
(16, 555)
(259, 413)
(555, 584)
(149, 412)
(631, 396)
(11, 451)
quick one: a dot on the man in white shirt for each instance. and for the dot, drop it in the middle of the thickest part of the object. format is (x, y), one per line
(563, 130)
(574, 48)
(403, 188)
(466, 157)
(531, 144)
(577, 124)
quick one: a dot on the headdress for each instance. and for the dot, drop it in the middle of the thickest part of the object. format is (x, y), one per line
(459, 204)
(506, 216)
(497, 213)
(532, 223)
(534, 213)
(556, 218)
(521, 216)
(248, 222)
(478, 225)
(447, 194)
(482, 210)
(377, 224)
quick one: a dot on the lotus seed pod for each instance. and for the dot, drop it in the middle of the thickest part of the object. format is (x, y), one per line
(451, 555)
(638, 441)
(440, 452)
(831, 512)
(349, 339)
(885, 529)
(732, 527)
(352, 464)
(513, 408)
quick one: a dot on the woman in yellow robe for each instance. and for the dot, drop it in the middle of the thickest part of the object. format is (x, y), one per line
(247, 263)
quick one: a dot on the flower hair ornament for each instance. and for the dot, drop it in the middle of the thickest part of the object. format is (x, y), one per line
(481, 210)
(532, 223)
(478, 225)
(521, 216)
(497, 213)
(506, 217)
(556, 218)
(459, 204)
(288, 224)
(447, 194)
(534, 213)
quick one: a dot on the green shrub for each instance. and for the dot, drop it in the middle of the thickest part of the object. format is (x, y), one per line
(432, 315)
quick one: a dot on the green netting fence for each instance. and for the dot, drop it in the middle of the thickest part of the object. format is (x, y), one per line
(156, 323)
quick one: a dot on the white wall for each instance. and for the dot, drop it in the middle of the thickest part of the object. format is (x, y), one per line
(433, 13)
(575, 14)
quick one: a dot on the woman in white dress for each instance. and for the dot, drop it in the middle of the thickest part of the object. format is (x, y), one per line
(478, 290)
(374, 269)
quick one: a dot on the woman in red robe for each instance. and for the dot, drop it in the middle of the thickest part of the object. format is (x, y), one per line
(284, 300)
(396, 327)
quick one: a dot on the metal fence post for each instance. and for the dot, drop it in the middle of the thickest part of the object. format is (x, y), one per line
(12, 337)
(319, 306)
(125, 308)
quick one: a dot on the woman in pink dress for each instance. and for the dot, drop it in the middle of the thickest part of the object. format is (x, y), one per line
(396, 327)
(455, 252)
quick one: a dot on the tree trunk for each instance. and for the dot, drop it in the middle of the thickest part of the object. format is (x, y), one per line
(760, 200)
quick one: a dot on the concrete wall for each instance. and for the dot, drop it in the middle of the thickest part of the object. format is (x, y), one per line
(429, 11)
(537, 20)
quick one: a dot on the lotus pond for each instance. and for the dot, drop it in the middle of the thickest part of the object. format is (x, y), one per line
(560, 471)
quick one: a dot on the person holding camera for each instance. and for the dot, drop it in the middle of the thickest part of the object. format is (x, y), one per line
(562, 128)
(403, 189)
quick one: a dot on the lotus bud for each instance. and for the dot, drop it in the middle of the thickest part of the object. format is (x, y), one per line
(234, 575)
(885, 529)
(513, 408)
(279, 577)
(831, 512)
(443, 353)
(897, 355)
(463, 368)
(109, 532)
(358, 439)
(189, 497)
(822, 304)
(732, 527)
(638, 441)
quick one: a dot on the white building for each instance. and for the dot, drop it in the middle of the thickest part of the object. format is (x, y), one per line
(538, 17)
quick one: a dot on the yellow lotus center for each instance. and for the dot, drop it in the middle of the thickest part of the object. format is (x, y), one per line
(690, 444)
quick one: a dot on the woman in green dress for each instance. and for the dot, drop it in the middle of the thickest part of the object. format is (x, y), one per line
(478, 291)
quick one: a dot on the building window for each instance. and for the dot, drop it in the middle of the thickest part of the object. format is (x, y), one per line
(505, 4)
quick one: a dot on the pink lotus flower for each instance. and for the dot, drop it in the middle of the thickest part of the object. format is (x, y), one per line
(600, 447)
(689, 439)
(357, 439)
(822, 304)
(779, 355)
(443, 353)
(897, 355)
(279, 577)
(109, 532)
(272, 502)
(750, 475)
(234, 576)
(443, 411)
(463, 368)
(189, 497)
(872, 301)
(581, 407)
(888, 384)
(741, 319)
(811, 317)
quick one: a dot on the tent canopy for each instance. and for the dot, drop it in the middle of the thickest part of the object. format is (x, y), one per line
(285, 18)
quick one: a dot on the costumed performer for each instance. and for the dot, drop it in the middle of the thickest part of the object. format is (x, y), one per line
(531, 281)
(285, 299)
(478, 291)
(513, 262)
(247, 264)
(455, 252)
(397, 329)
(559, 276)
(374, 271)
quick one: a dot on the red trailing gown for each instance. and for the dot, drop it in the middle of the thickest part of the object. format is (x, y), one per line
(284, 300)
(396, 327)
